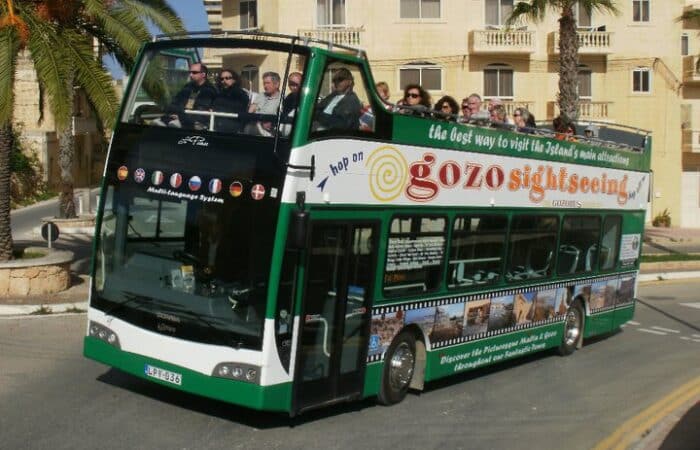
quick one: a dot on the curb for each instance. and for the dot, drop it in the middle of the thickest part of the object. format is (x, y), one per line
(661, 276)
(25, 310)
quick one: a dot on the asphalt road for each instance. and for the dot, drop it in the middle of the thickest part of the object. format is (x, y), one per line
(51, 397)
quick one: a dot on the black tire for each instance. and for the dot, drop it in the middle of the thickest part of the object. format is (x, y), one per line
(399, 365)
(573, 329)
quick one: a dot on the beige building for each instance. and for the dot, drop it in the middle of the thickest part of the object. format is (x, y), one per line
(38, 130)
(638, 69)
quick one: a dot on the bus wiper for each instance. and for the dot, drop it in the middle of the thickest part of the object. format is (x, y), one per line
(130, 299)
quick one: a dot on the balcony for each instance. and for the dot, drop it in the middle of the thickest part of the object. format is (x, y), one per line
(589, 42)
(349, 36)
(691, 141)
(502, 42)
(691, 69)
(588, 111)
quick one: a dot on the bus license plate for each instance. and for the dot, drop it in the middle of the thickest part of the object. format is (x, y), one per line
(162, 374)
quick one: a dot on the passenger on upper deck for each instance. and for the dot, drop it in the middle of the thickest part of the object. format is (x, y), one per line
(341, 109)
(383, 91)
(197, 94)
(524, 120)
(418, 99)
(447, 105)
(564, 131)
(267, 103)
(470, 106)
(231, 99)
(291, 101)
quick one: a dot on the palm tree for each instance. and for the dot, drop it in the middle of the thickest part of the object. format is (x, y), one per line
(536, 10)
(59, 35)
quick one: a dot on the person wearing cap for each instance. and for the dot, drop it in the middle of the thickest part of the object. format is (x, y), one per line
(590, 132)
(342, 108)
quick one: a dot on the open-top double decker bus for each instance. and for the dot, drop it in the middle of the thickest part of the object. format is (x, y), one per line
(342, 254)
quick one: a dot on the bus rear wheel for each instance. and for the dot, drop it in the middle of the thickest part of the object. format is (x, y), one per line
(399, 366)
(573, 329)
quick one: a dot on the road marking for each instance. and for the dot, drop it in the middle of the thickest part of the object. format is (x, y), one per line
(639, 425)
(665, 329)
(632, 322)
(691, 305)
(645, 330)
(696, 335)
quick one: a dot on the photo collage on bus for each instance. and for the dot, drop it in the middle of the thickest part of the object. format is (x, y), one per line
(461, 319)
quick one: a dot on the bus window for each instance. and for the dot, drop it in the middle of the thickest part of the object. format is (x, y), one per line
(578, 245)
(607, 257)
(343, 105)
(414, 255)
(532, 243)
(476, 250)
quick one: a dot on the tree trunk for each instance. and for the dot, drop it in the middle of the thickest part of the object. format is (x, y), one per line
(568, 66)
(66, 152)
(6, 138)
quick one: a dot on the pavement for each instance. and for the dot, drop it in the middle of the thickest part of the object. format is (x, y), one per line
(677, 430)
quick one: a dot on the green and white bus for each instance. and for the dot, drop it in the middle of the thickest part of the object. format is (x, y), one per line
(331, 260)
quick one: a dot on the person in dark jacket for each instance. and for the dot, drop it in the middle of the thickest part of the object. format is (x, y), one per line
(230, 99)
(341, 110)
(197, 94)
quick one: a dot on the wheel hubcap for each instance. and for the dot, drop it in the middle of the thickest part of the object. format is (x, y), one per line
(573, 326)
(401, 366)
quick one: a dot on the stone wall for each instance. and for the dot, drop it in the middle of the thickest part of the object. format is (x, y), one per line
(45, 275)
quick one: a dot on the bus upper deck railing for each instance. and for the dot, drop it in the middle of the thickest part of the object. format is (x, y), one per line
(263, 36)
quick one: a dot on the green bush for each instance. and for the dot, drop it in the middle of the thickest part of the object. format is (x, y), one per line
(663, 219)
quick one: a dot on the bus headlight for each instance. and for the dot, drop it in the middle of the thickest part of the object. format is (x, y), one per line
(103, 333)
(237, 371)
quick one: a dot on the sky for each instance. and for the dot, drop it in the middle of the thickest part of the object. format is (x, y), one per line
(191, 12)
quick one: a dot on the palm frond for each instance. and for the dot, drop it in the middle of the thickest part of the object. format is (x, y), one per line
(159, 12)
(125, 27)
(691, 14)
(9, 47)
(601, 6)
(89, 74)
(51, 65)
(532, 11)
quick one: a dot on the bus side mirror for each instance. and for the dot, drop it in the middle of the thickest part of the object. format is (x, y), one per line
(298, 226)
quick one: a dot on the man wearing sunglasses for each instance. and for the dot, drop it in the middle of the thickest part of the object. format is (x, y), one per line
(340, 110)
(291, 101)
(197, 94)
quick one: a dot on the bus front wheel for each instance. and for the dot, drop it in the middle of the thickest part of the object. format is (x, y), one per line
(573, 329)
(399, 365)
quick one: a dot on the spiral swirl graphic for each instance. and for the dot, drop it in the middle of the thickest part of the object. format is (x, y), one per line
(388, 171)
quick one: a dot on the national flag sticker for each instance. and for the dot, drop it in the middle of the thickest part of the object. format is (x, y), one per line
(236, 189)
(257, 192)
(175, 180)
(195, 183)
(122, 173)
(215, 186)
(157, 178)
(139, 175)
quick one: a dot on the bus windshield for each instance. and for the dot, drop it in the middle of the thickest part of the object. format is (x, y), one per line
(242, 91)
(185, 242)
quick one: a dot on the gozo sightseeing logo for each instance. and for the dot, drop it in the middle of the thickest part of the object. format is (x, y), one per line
(388, 172)
(422, 180)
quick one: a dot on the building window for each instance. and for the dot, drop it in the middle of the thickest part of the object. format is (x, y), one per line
(640, 10)
(498, 81)
(330, 13)
(584, 83)
(684, 45)
(497, 12)
(420, 9)
(583, 16)
(641, 80)
(249, 14)
(428, 75)
(249, 78)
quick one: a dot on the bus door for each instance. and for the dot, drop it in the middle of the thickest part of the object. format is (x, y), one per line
(332, 346)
